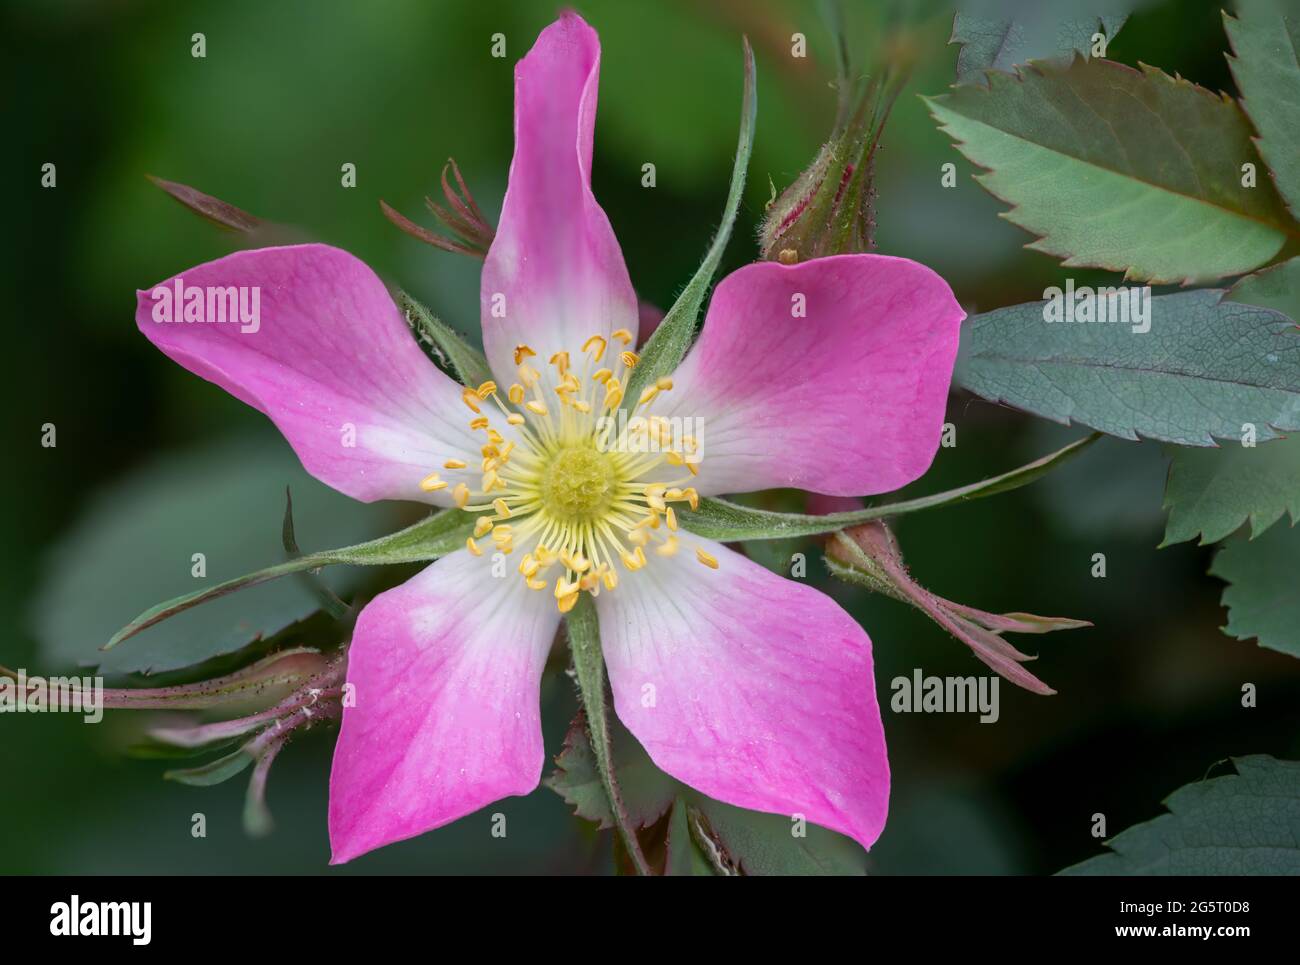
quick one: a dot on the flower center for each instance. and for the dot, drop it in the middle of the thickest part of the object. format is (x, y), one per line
(578, 484)
(570, 479)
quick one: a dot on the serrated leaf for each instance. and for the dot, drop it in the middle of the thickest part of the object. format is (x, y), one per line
(646, 791)
(1261, 596)
(1277, 288)
(1265, 37)
(1111, 167)
(721, 519)
(134, 543)
(1205, 368)
(1246, 823)
(992, 43)
(776, 844)
(667, 346)
(1212, 492)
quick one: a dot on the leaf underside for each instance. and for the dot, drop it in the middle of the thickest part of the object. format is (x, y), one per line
(1130, 170)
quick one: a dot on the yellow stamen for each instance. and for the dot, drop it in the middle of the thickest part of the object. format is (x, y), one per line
(599, 344)
(707, 559)
(431, 483)
(470, 398)
(516, 394)
(624, 336)
(502, 509)
(538, 408)
(486, 389)
(483, 526)
(472, 546)
(522, 352)
(630, 359)
(461, 495)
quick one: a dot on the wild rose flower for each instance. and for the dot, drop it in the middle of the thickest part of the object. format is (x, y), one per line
(753, 689)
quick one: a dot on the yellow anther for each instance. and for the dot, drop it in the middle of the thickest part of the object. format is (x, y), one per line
(522, 352)
(431, 483)
(490, 480)
(529, 566)
(707, 559)
(503, 510)
(461, 495)
(694, 467)
(692, 497)
(516, 394)
(483, 526)
(599, 344)
(503, 531)
(488, 451)
(496, 438)
(674, 493)
(535, 583)
(613, 393)
(472, 546)
(568, 602)
(668, 547)
(487, 388)
(545, 555)
(561, 361)
(655, 502)
(590, 582)
(490, 463)
(624, 336)
(453, 464)
(629, 359)
(674, 459)
(528, 375)
(563, 587)
(515, 419)
(638, 536)
(670, 517)
(630, 560)
(582, 405)
(664, 383)
(610, 579)
(601, 375)
(537, 408)
(480, 423)
(470, 398)
(647, 395)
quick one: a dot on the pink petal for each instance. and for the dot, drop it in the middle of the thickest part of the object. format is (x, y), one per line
(555, 259)
(447, 670)
(754, 689)
(331, 350)
(848, 400)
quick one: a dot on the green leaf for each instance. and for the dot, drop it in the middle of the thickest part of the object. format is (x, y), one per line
(1111, 167)
(1238, 824)
(1211, 492)
(589, 668)
(466, 362)
(774, 844)
(646, 791)
(134, 544)
(668, 345)
(1261, 596)
(1205, 368)
(428, 539)
(722, 520)
(683, 857)
(1277, 288)
(1265, 37)
(989, 43)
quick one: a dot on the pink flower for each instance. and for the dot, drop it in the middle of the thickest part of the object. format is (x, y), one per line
(753, 689)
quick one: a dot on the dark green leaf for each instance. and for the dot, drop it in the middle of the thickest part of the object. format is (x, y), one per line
(1239, 824)
(1211, 492)
(1277, 288)
(1261, 595)
(1040, 30)
(1266, 40)
(1206, 368)
(1110, 167)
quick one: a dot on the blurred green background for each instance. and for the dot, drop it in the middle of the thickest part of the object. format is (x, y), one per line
(151, 461)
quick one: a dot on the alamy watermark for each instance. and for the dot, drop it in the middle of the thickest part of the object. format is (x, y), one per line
(683, 435)
(919, 694)
(1124, 306)
(209, 304)
(53, 695)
